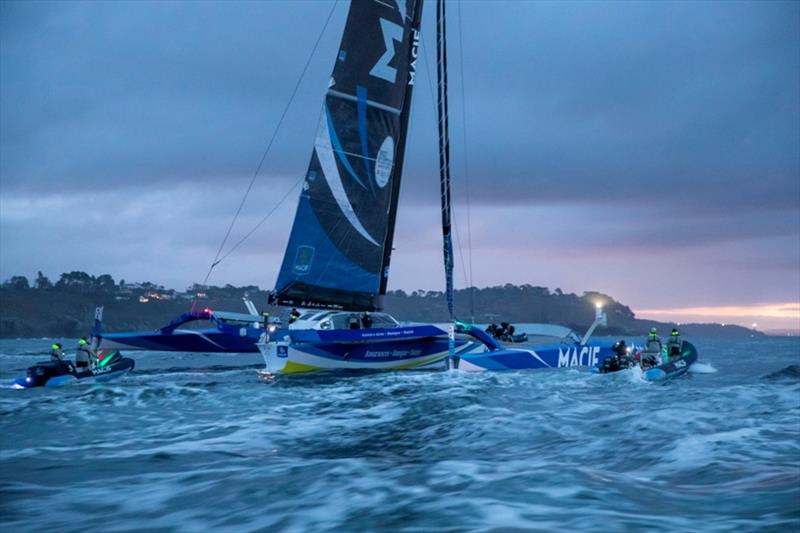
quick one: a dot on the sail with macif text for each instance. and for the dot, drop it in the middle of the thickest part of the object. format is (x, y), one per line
(340, 246)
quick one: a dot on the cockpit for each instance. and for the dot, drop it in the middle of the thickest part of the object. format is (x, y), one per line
(329, 320)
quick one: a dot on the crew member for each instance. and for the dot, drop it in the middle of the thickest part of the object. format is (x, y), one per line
(675, 344)
(653, 347)
(83, 355)
(620, 348)
(294, 315)
(265, 316)
(56, 354)
(352, 321)
(652, 351)
(366, 320)
(653, 341)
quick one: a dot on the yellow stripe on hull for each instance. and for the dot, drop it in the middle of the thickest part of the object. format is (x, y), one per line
(294, 367)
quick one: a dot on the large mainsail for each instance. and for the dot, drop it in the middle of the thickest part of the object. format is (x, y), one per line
(340, 246)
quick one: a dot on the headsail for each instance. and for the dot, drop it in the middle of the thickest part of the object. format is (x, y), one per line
(340, 246)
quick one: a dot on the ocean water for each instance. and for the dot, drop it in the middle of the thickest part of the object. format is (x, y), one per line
(196, 442)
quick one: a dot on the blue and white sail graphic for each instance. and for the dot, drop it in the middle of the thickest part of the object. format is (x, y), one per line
(340, 246)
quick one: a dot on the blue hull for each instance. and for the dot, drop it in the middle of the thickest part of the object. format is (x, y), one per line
(676, 367)
(407, 347)
(186, 340)
(523, 357)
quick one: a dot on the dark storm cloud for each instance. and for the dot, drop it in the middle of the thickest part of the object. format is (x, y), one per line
(105, 94)
(697, 102)
(565, 102)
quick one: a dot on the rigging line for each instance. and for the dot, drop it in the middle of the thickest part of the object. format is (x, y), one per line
(471, 286)
(428, 73)
(460, 248)
(260, 222)
(433, 103)
(217, 257)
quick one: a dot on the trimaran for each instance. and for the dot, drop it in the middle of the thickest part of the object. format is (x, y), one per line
(336, 264)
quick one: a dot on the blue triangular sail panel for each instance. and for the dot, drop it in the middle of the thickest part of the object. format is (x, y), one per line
(339, 249)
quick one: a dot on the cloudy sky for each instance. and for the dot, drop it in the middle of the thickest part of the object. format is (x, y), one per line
(647, 150)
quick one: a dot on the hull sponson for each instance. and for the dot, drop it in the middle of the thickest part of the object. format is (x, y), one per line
(184, 340)
(523, 357)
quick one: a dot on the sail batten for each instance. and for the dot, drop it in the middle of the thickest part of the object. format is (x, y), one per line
(340, 245)
(370, 103)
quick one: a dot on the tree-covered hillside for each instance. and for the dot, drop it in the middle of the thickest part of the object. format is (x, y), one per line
(65, 308)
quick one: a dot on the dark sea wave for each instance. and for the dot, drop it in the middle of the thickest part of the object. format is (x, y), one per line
(791, 372)
(198, 442)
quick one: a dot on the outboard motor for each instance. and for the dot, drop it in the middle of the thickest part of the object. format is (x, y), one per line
(611, 364)
(648, 361)
(39, 374)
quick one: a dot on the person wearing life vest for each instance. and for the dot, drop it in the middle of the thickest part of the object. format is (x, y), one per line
(294, 315)
(265, 316)
(653, 342)
(84, 357)
(56, 354)
(675, 344)
(651, 355)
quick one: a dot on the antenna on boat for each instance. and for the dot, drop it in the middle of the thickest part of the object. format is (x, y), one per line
(248, 303)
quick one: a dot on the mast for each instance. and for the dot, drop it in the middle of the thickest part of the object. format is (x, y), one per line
(444, 151)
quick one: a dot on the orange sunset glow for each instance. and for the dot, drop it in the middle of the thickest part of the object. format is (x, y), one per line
(766, 316)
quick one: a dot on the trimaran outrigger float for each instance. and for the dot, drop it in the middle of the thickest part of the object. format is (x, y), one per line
(220, 332)
(336, 263)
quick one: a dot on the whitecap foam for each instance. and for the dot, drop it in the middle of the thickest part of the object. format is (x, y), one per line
(702, 368)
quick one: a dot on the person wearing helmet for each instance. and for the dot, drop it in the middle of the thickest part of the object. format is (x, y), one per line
(651, 355)
(654, 342)
(675, 344)
(83, 355)
(56, 353)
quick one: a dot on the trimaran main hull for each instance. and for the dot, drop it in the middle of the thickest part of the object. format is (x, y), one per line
(415, 347)
(410, 347)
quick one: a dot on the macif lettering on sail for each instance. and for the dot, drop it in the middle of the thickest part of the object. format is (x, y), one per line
(339, 247)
